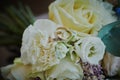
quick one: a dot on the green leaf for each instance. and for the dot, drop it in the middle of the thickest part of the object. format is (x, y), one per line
(13, 23)
(9, 40)
(110, 35)
(26, 13)
(15, 18)
(30, 14)
(20, 16)
(7, 24)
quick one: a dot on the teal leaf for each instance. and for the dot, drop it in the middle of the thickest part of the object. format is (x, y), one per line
(110, 35)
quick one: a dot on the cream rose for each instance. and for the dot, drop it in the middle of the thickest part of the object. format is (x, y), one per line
(82, 15)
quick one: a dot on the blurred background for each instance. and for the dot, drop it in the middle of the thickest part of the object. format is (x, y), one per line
(15, 16)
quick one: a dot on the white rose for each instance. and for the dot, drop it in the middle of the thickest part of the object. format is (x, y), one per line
(82, 15)
(90, 49)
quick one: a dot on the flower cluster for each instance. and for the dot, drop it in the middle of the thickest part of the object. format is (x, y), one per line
(63, 48)
(54, 54)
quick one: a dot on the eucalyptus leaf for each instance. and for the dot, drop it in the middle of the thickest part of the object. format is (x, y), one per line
(110, 35)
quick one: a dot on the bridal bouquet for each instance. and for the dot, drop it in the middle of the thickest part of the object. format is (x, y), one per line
(65, 46)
